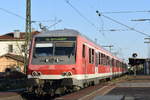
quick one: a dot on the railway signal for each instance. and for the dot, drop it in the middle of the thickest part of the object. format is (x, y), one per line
(134, 55)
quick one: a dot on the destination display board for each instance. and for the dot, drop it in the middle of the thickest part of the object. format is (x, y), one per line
(41, 39)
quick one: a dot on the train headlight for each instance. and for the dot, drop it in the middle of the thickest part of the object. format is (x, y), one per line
(35, 73)
(64, 73)
(67, 74)
(39, 73)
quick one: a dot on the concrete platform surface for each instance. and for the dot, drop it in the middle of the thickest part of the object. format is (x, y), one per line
(109, 97)
(10, 96)
(144, 84)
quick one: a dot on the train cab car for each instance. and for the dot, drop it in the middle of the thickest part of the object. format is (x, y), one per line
(65, 58)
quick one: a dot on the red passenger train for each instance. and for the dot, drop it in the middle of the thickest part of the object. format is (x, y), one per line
(66, 59)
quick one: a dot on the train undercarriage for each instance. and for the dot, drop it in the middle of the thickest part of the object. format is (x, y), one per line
(61, 86)
(52, 87)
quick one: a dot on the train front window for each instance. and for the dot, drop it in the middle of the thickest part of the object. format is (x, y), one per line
(44, 49)
(64, 48)
(54, 50)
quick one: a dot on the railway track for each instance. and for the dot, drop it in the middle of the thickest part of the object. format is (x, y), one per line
(127, 88)
(21, 94)
(90, 92)
(119, 88)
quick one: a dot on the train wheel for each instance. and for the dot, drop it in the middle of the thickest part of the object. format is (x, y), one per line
(60, 91)
(76, 88)
(85, 85)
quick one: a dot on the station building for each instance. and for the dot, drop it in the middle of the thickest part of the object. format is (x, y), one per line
(140, 65)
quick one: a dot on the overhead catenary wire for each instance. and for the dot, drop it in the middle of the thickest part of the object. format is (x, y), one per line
(131, 28)
(12, 13)
(114, 30)
(78, 12)
(21, 17)
(144, 11)
(32, 21)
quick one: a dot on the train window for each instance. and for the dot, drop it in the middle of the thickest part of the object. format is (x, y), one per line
(90, 58)
(99, 55)
(105, 60)
(43, 49)
(112, 62)
(93, 56)
(64, 48)
(115, 63)
(97, 59)
(108, 60)
(118, 63)
(102, 59)
(83, 51)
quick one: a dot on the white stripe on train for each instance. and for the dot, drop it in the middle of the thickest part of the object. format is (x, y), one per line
(78, 77)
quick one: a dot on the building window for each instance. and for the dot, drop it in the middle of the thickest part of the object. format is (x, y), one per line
(10, 48)
(22, 48)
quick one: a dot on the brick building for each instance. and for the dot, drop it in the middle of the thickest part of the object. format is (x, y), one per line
(11, 61)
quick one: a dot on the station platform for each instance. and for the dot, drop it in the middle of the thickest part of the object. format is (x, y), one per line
(135, 88)
(10, 96)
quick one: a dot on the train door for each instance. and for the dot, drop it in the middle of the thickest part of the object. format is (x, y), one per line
(111, 66)
(84, 59)
(96, 62)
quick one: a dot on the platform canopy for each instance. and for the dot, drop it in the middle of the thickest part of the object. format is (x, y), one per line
(136, 61)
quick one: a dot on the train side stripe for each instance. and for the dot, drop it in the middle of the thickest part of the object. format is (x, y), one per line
(78, 77)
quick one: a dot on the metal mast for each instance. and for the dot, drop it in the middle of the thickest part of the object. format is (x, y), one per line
(109, 46)
(27, 33)
(147, 40)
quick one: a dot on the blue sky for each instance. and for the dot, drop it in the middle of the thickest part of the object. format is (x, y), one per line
(125, 42)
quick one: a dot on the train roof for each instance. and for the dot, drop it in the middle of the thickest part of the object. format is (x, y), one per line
(71, 33)
(57, 33)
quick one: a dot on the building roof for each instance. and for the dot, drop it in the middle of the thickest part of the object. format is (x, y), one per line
(13, 56)
(10, 36)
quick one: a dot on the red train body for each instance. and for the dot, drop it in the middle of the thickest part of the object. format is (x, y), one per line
(67, 58)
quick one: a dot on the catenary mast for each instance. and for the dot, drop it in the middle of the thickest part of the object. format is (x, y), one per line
(27, 33)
